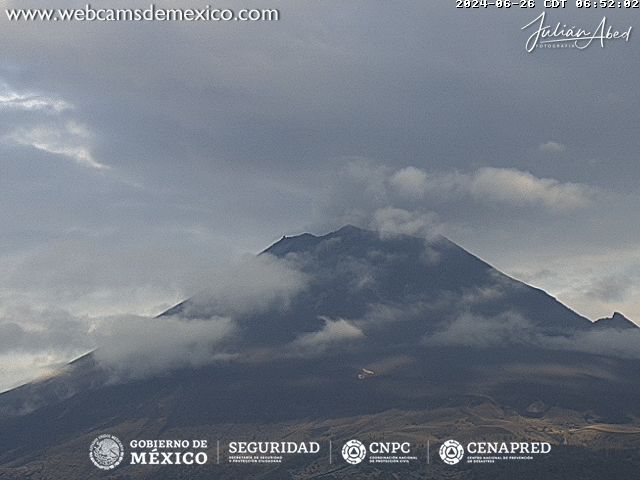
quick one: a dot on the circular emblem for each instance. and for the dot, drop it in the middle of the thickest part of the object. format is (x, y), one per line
(451, 452)
(106, 451)
(354, 452)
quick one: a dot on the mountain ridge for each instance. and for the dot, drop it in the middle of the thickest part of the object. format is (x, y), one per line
(438, 328)
(349, 242)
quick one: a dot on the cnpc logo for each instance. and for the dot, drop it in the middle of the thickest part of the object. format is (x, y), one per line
(354, 451)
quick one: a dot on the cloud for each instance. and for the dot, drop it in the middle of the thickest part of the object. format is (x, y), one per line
(610, 288)
(47, 123)
(511, 186)
(135, 347)
(506, 186)
(410, 182)
(376, 187)
(10, 99)
(610, 342)
(34, 342)
(552, 147)
(333, 332)
(414, 201)
(253, 284)
(595, 281)
(479, 331)
(70, 140)
(394, 221)
(512, 328)
(19, 368)
(251, 168)
(29, 331)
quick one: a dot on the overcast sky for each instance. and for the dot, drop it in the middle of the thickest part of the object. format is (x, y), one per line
(137, 159)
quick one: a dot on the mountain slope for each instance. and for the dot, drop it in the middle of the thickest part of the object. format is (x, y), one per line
(353, 269)
(436, 326)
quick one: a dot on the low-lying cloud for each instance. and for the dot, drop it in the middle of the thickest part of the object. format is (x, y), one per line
(134, 347)
(131, 346)
(391, 221)
(36, 342)
(512, 328)
(251, 285)
(334, 332)
(477, 331)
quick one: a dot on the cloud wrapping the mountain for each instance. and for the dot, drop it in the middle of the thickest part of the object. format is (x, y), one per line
(334, 332)
(610, 342)
(511, 328)
(135, 347)
(391, 221)
(479, 331)
(250, 285)
(36, 342)
(27, 330)
(131, 346)
(208, 329)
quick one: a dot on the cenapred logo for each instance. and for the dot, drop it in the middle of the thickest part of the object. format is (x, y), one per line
(451, 452)
(354, 452)
(106, 451)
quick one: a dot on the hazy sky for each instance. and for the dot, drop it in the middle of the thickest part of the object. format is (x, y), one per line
(138, 159)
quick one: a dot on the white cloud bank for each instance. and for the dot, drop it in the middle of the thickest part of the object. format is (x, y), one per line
(412, 199)
(392, 221)
(505, 186)
(250, 285)
(134, 347)
(511, 328)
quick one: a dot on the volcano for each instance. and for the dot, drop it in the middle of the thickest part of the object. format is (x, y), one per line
(387, 334)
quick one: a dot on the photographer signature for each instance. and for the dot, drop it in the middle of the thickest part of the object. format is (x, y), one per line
(573, 36)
